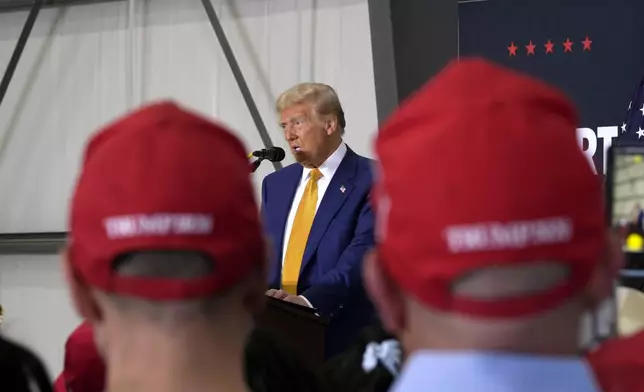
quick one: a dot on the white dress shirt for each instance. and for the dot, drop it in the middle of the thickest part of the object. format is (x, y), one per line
(494, 372)
(328, 169)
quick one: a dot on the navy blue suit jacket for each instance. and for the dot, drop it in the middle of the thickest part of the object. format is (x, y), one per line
(342, 232)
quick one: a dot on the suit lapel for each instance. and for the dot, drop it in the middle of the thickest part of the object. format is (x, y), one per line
(282, 207)
(336, 194)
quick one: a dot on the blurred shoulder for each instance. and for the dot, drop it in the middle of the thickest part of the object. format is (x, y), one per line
(620, 351)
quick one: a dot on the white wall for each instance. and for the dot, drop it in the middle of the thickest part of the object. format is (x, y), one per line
(37, 309)
(84, 65)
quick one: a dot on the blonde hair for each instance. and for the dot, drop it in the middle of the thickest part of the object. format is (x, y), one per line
(323, 97)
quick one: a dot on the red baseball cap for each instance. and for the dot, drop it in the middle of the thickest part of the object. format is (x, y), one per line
(481, 168)
(84, 368)
(163, 178)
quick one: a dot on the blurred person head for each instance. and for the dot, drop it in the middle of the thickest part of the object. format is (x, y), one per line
(498, 238)
(84, 369)
(272, 366)
(630, 311)
(313, 122)
(369, 365)
(21, 370)
(166, 255)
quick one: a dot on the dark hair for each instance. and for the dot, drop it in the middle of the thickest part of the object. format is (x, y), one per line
(21, 370)
(270, 366)
(345, 372)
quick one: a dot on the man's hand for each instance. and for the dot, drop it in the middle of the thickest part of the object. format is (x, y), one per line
(296, 299)
(283, 295)
(279, 294)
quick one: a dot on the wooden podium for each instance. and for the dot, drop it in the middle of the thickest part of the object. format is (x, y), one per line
(295, 326)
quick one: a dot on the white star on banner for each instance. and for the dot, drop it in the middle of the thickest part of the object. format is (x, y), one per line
(640, 133)
(642, 110)
(624, 127)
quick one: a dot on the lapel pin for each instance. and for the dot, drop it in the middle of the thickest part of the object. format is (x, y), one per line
(343, 189)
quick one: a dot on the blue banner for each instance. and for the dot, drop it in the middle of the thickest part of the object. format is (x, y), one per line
(593, 50)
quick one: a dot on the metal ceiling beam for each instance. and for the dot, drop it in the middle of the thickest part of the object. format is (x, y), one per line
(20, 46)
(32, 243)
(239, 77)
(25, 5)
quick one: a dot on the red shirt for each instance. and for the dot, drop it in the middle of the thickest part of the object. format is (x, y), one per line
(619, 364)
(59, 384)
(84, 369)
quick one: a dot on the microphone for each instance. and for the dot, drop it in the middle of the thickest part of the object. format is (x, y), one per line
(273, 154)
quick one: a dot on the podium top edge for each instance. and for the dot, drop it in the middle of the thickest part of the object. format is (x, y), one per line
(303, 311)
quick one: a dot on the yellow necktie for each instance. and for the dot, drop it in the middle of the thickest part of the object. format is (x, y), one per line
(300, 234)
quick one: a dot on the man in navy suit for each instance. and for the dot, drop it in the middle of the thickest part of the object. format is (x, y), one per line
(318, 215)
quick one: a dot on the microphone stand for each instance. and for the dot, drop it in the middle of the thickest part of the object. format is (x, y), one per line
(255, 164)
